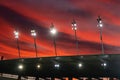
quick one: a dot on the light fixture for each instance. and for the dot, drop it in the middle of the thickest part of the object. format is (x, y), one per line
(38, 66)
(100, 25)
(104, 64)
(74, 27)
(16, 33)
(33, 33)
(53, 32)
(57, 65)
(20, 66)
(80, 65)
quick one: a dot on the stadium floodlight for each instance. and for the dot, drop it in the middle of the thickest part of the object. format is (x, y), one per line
(104, 64)
(38, 66)
(100, 26)
(16, 33)
(57, 65)
(53, 31)
(74, 27)
(20, 66)
(33, 33)
(80, 65)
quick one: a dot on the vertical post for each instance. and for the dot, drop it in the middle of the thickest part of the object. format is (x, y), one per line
(53, 32)
(76, 40)
(74, 27)
(2, 58)
(37, 78)
(70, 78)
(19, 77)
(16, 33)
(33, 33)
(52, 78)
(102, 46)
(18, 48)
(54, 41)
(100, 25)
(35, 46)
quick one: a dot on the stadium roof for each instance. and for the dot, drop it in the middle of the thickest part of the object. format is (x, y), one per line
(65, 66)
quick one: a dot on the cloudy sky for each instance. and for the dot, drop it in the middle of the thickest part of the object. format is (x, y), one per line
(25, 15)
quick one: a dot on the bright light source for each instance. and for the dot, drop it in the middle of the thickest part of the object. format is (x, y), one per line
(33, 33)
(74, 25)
(104, 64)
(38, 66)
(80, 65)
(53, 31)
(20, 66)
(75, 28)
(100, 24)
(16, 33)
(57, 65)
(100, 21)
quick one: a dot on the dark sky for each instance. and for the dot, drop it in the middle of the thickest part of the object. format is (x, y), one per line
(39, 14)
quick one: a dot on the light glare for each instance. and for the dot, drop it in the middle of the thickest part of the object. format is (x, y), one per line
(104, 64)
(57, 65)
(100, 25)
(74, 25)
(38, 66)
(33, 33)
(16, 33)
(80, 65)
(53, 31)
(20, 67)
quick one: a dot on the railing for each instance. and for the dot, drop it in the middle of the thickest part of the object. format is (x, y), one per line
(16, 77)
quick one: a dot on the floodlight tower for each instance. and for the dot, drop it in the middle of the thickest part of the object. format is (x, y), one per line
(33, 33)
(74, 27)
(53, 32)
(100, 26)
(16, 33)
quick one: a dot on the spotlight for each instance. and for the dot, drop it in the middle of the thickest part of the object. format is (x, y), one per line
(38, 66)
(104, 64)
(80, 65)
(33, 33)
(53, 30)
(16, 33)
(20, 67)
(74, 28)
(57, 65)
(100, 25)
(74, 25)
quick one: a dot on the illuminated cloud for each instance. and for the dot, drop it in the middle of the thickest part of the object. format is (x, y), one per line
(25, 15)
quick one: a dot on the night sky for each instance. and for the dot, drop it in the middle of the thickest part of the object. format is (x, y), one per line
(25, 15)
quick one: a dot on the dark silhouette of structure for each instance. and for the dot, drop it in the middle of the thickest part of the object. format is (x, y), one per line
(93, 66)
